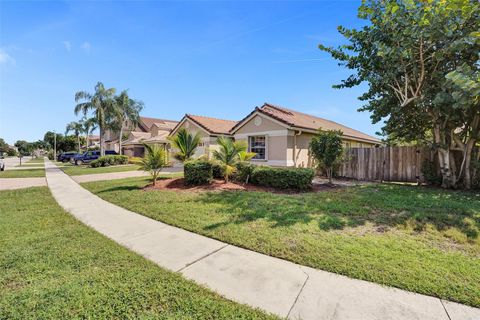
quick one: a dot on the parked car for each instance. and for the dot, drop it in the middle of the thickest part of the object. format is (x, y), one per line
(2, 163)
(90, 156)
(67, 156)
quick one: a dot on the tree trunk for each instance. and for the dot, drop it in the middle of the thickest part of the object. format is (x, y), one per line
(102, 141)
(329, 174)
(468, 160)
(120, 141)
(78, 141)
(86, 141)
(444, 157)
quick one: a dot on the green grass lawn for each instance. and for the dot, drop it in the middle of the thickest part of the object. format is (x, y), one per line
(54, 267)
(418, 239)
(28, 164)
(36, 161)
(27, 173)
(81, 170)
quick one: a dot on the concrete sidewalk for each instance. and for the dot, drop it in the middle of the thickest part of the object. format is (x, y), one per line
(274, 285)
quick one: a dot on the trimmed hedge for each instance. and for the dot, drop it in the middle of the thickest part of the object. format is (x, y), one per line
(244, 172)
(217, 170)
(109, 160)
(197, 172)
(283, 178)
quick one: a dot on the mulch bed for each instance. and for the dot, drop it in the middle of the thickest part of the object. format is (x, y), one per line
(178, 184)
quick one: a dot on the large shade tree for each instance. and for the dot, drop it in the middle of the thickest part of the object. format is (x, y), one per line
(102, 103)
(411, 54)
(127, 114)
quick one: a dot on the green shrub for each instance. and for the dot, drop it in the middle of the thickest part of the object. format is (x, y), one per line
(197, 172)
(109, 160)
(244, 172)
(283, 178)
(217, 170)
(95, 164)
(430, 174)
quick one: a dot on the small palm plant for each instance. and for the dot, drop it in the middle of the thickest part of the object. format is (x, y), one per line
(229, 153)
(186, 143)
(154, 160)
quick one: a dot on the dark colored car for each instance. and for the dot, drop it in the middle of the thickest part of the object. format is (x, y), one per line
(67, 156)
(90, 156)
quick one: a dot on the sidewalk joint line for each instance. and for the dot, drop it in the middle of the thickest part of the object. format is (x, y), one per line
(298, 295)
(444, 308)
(201, 258)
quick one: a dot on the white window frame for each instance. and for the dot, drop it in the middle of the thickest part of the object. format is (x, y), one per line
(266, 146)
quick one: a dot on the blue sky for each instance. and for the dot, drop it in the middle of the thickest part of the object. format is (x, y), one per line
(219, 59)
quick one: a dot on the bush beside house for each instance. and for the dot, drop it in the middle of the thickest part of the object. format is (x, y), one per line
(197, 172)
(283, 178)
(109, 160)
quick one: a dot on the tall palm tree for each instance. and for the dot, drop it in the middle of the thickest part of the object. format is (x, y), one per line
(89, 125)
(102, 103)
(128, 114)
(186, 143)
(229, 153)
(77, 128)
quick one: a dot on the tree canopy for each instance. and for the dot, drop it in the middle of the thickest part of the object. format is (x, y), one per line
(420, 60)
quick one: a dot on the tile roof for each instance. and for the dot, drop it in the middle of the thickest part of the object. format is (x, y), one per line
(161, 137)
(213, 125)
(148, 122)
(301, 120)
(137, 137)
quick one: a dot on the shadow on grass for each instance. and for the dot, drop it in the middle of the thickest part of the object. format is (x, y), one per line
(383, 206)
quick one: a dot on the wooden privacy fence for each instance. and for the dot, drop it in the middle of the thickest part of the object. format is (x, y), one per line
(385, 163)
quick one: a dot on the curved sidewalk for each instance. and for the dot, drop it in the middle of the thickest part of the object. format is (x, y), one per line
(274, 285)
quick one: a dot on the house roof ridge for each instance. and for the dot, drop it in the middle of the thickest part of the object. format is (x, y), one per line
(196, 115)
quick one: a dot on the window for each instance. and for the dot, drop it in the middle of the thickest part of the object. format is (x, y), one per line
(257, 144)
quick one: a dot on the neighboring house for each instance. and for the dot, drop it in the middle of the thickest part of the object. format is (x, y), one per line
(208, 128)
(93, 140)
(281, 136)
(148, 130)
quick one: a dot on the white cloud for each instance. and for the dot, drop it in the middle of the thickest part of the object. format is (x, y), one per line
(67, 45)
(86, 46)
(5, 58)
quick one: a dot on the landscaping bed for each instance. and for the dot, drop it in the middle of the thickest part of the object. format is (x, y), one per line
(54, 267)
(178, 184)
(419, 239)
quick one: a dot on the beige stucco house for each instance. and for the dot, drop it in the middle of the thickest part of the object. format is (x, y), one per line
(281, 136)
(208, 128)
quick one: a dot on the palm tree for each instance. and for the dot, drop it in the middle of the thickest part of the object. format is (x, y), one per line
(128, 113)
(103, 105)
(186, 143)
(89, 125)
(230, 153)
(154, 160)
(77, 128)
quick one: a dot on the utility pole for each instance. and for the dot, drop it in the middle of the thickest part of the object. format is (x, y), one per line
(54, 146)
